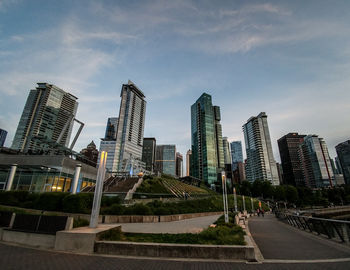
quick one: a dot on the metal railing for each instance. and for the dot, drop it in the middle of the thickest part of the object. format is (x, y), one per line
(338, 230)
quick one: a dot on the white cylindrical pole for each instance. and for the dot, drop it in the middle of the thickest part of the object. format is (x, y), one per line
(98, 191)
(11, 177)
(235, 198)
(243, 203)
(76, 178)
(251, 201)
(224, 196)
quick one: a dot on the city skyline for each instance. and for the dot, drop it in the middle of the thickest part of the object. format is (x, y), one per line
(290, 62)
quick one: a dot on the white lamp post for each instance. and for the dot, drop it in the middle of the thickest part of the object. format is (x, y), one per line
(224, 195)
(235, 198)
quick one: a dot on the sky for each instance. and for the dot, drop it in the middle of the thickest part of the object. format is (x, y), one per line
(290, 59)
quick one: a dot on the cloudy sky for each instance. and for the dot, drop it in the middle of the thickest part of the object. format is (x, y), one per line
(290, 59)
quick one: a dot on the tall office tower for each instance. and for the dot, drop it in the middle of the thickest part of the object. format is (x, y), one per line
(179, 164)
(149, 153)
(236, 154)
(188, 162)
(47, 117)
(206, 135)
(292, 168)
(338, 165)
(315, 160)
(343, 152)
(130, 129)
(111, 128)
(3, 134)
(108, 143)
(261, 164)
(227, 153)
(166, 159)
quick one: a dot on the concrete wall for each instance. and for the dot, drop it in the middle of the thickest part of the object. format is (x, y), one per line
(29, 239)
(175, 250)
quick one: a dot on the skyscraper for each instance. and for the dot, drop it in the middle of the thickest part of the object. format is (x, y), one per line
(206, 135)
(47, 118)
(227, 153)
(179, 164)
(236, 153)
(166, 159)
(343, 152)
(315, 160)
(3, 134)
(130, 129)
(261, 164)
(111, 128)
(108, 143)
(188, 162)
(149, 153)
(292, 168)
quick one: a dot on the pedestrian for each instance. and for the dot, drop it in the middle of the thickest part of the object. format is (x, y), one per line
(258, 211)
(262, 212)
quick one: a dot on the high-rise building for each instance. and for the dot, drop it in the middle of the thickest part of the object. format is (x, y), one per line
(343, 152)
(291, 165)
(338, 165)
(227, 153)
(188, 162)
(179, 164)
(108, 143)
(261, 164)
(315, 160)
(3, 134)
(206, 136)
(236, 153)
(149, 153)
(166, 159)
(47, 118)
(130, 128)
(111, 128)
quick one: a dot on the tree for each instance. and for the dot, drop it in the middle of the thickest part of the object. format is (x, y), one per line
(291, 194)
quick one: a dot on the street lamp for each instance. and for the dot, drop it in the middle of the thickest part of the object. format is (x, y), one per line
(235, 198)
(224, 195)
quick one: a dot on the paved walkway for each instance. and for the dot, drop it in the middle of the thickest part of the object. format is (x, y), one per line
(19, 258)
(277, 240)
(193, 225)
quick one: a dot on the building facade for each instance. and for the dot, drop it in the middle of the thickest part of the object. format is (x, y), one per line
(108, 143)
(343, 152)
(179, 165)
(315, 160)
(131, 124)
(47, 118)
(111, 129)
(90, 152)
(236, 153)
(261, 164)
(166, 159)
(188, 162)
(149, 153)
(288, 147)
(206, 140)
(3, 134)
(227, 152)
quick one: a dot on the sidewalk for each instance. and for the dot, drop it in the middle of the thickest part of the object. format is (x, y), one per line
(193, 225)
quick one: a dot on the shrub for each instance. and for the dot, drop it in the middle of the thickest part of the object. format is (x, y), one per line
(50, 201)
(114, 209)
(109, 200)
(138, 209)
(80, 222)
(78, 203)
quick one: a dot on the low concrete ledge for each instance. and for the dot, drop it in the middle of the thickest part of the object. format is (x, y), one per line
(29, 239)
(81, 239)
(224, 252)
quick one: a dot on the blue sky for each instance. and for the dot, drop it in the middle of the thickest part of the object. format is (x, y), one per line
(290, 59)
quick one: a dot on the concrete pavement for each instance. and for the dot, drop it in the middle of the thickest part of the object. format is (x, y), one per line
(280, 241)
(193, 225)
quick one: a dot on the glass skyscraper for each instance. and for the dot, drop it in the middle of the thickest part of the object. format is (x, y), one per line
(206, 135)
(47, 118)
(166, 159)
(149, 153)
(3, 134)
(317, 168)
(236, 154)
(261, 164)
(226, 148)
(343, 152)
